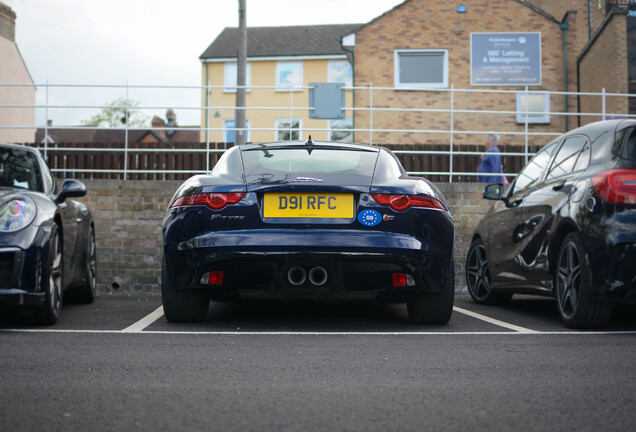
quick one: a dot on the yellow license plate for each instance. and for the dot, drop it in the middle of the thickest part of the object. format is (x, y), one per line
(308, 205)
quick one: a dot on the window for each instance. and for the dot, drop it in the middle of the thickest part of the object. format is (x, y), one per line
(229, 134)
(341, 130)
(531, 174)
(567, 159)
(421, 68)
(20, 169)
(288, 129)
(230, 77)
(301, 161)
(340, 71)
(538, 107)
(289, 75)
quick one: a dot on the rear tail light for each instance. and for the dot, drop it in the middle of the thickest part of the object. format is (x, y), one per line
(402, 280)
(215, 201)
(616, 186)
(212, 278)
(404, 202)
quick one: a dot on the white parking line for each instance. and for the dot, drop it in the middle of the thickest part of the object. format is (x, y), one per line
(493, 321)
(140, 325)
(145, 321)
(325, 333)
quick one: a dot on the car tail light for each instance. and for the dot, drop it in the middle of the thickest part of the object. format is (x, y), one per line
(616, 186)
(404, 202)
(212, 278)
(402, 280)
(399, 279)
(215, 201)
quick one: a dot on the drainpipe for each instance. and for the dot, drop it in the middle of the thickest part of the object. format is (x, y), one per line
(564, 27)
(589, 19)
(353, 91)
(207, 101)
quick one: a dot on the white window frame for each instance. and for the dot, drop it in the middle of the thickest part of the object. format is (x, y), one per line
(417, 86)
(331, 75)
(277, 127)
(331, 128)
(285, 86)
(230, 77)
(226, 126)
(543, 118)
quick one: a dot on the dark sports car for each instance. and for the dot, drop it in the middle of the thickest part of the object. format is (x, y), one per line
(565, 228)
(47, 241)
(308, 220)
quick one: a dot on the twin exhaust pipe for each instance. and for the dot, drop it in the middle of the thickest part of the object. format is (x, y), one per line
(297, 276)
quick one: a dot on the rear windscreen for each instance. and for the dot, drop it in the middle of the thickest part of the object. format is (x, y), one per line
(309, 161)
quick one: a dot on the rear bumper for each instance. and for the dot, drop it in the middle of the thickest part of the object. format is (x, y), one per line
(258, 264)
(620, 279)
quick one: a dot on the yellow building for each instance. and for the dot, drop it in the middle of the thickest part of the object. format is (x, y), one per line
(282, 62)
(16, 123)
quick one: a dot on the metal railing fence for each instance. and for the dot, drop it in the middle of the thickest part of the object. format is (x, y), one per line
(443, 145)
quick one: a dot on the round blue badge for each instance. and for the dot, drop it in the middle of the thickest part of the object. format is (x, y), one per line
(369, 217)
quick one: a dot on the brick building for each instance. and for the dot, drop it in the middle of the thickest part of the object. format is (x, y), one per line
(583, 47)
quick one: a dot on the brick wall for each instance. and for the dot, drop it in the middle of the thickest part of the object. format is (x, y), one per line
(128, 217)
(608, 53)
(422, 24)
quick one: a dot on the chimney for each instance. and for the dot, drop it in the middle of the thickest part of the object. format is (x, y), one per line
(7, 22)
(157, 122)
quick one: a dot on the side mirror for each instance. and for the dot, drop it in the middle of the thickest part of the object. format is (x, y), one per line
(71, 188)
(493, 191)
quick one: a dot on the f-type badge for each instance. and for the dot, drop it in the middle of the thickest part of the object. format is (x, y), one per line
(369, 217)
(308, 179)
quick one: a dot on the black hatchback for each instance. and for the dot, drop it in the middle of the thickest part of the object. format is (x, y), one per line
(566, 227)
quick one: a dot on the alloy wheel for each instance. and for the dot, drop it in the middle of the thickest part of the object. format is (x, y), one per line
(92, 262)
(55, 274)
(478, 273)
(568, 280)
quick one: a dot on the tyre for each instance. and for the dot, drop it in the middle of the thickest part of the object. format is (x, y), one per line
(478, 277)
(576, 300)
(182, 305)
(432, 307)
(49, 274)
(87, 292)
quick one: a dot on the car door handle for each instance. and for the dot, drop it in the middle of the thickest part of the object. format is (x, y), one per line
(558, 186)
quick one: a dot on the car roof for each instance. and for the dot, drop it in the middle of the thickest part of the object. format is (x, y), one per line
(20, 147)
(308, 143)
(602, 126)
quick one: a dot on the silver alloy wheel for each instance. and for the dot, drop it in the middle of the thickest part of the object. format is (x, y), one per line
(478, 273)
(55, 274)
(568, 280)
(92, 262)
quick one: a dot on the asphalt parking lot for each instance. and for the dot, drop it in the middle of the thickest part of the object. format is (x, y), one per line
(142, 312)
(119, 365)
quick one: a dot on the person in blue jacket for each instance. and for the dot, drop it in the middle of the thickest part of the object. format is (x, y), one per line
(491, 161)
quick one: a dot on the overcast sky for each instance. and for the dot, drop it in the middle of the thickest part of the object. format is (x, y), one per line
(146, 42)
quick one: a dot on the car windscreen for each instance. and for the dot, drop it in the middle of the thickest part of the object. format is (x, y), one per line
(309, 161)
(19, 169)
